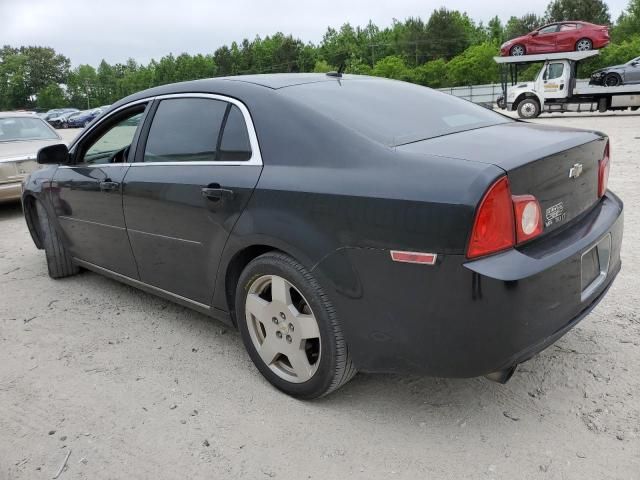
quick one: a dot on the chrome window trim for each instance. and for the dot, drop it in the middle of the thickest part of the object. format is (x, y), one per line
(256, 155)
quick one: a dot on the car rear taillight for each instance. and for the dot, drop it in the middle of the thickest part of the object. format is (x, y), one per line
(528, 217)
(493, 227)
(503, 220)
(603, 172)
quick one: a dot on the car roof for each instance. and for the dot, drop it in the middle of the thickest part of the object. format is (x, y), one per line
(241, 86)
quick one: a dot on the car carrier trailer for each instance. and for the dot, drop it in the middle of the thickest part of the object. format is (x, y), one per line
(556, 87)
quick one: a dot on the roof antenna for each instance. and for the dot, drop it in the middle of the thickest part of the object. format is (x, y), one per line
(339, 73)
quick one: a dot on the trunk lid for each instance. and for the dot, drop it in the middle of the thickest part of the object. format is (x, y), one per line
(559, 166)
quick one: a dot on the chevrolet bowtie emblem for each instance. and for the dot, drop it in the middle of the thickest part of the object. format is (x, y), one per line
(575, 171)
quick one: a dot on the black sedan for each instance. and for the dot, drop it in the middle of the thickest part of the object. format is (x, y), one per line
(341, 223)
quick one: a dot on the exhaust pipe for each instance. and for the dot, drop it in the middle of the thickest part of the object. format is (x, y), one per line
(502, 376)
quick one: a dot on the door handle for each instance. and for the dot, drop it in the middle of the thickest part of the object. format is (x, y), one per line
(109, 186)
(215, 192)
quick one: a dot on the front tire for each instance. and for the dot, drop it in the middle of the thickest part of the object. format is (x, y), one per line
(290, 328)
(612, 80)
(59, 261)
(517, 50)
(528, 108)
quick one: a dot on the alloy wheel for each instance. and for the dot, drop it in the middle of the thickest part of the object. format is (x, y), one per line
(283, 328)
(583, 45)
(517, 51)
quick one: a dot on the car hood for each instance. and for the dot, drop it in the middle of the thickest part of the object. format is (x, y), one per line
(607, 69)
(23, 148)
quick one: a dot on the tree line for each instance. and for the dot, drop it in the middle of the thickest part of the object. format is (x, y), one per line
(448, 49)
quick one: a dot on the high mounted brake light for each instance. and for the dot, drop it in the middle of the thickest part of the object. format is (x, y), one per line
(503, 220)
(603, 171)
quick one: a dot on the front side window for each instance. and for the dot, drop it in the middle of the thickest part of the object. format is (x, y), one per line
(549, 29)
(185, 130)
(554, 70)
(112, 146)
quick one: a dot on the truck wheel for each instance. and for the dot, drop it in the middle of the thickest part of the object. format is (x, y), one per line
(59, 262)
(517, 51)
(528, 108)
(583, 45)
(612, 80)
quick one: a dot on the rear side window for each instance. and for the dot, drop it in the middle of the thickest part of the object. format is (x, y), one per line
(185, 130)
(235, 145)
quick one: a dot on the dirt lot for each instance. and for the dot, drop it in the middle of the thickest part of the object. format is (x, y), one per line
(139, 388)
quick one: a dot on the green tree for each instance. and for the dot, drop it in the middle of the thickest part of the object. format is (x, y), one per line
(517, 27)
(628, 22)
(392, 67)
(474, 66)
(431, 74)
(51, 96)
(595, 11)
(447, 34)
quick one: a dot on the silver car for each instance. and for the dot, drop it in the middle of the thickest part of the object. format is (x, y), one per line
(624, 74)
(21, 136)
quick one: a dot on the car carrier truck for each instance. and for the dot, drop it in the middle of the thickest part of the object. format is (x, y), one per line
(556, 88)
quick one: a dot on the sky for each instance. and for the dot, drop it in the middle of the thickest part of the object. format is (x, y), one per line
(87, 31)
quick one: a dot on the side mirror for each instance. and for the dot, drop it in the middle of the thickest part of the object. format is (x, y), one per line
(634, 64)
(534, 33)
(53, 154)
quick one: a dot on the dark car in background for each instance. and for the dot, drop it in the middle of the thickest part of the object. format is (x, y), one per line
(84, 118)
(342, 223)
(61, 120)
(558, 37)
(625, 74)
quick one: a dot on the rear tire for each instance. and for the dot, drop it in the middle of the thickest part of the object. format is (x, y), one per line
(583, 45)
(266, 317)
(59, 261)
(612, 80)
(528, 108)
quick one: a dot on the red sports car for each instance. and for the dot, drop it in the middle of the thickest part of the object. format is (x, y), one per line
(558, 37)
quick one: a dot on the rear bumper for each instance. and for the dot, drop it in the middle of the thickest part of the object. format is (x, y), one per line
(465, 319)
(10, 191)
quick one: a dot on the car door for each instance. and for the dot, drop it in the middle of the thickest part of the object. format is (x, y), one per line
(87, 193)
(554, 80)
(566, 37)
(544, 41)
(632, 71)
(194, 173)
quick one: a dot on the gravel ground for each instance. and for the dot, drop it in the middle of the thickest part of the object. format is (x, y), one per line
(139, 388)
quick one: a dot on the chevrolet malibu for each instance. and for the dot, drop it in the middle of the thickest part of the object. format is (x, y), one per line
(341, 223)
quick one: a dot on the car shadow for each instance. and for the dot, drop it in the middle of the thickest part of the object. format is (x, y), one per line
(10, 210)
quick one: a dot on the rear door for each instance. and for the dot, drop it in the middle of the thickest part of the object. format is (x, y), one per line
(194, 173)
(566, 37)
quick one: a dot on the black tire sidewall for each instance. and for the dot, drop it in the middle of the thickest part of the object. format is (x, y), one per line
(612, 75)
(283, 266)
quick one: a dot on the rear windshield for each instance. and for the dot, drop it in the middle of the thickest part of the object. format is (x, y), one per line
(21, 128)
(393, 113)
